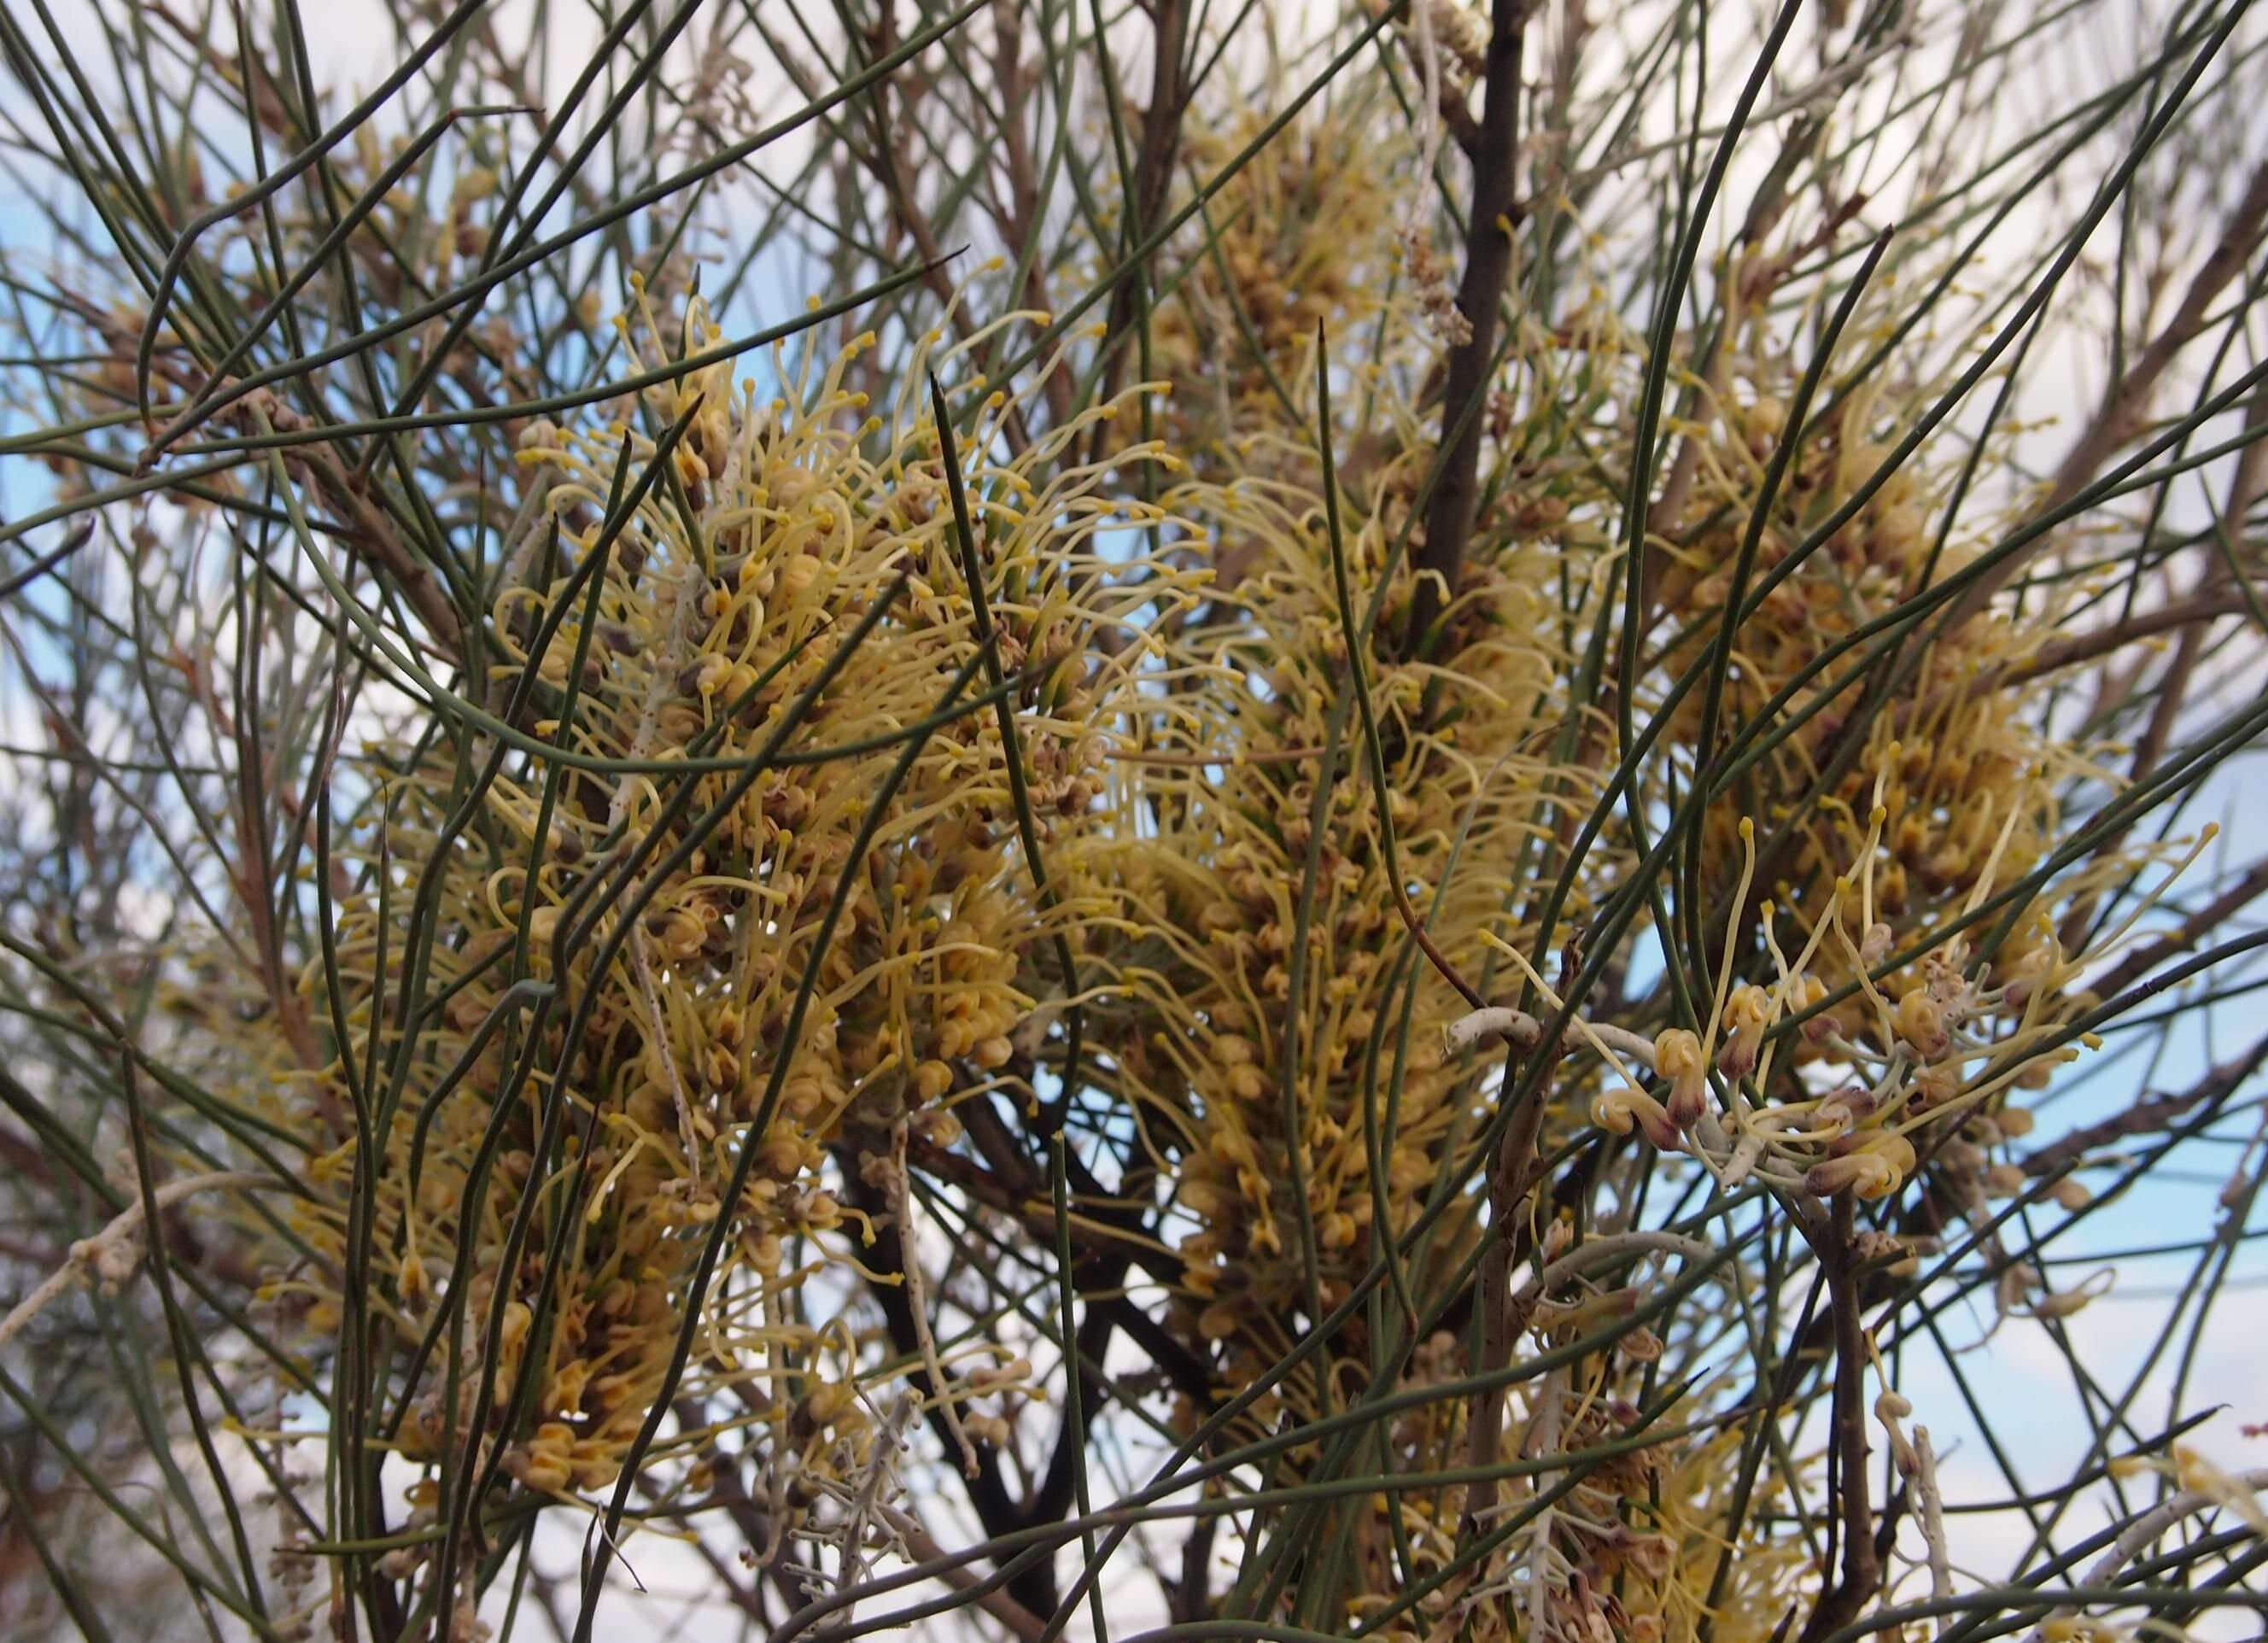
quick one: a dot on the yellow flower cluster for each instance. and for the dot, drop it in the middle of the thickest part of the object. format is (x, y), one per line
(795, 970)
(1284, 1050)
(614, 949)
(1299, 237)
(1933, 780)
(1249, 862)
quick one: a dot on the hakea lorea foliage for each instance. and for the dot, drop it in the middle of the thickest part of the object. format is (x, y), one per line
(718, 977)
(1871, 848)
(1312, 1081)
(627, 1047)
(1299, 237)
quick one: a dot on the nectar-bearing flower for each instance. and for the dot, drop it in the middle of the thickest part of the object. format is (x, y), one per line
(600, 1077)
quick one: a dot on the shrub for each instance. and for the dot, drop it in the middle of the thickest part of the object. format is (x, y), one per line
(1407, 828)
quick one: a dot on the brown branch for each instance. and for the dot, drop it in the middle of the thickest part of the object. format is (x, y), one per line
(1154, 171)
(1755, 279)
(1455, 501)
(1862, 1568)
(115, 1252)
(1440, 960)
(2140, 1119)
(731, 1495)
(1189, 1372)
(2250, 477)
(2197, 609)
(1451, 107)
(362, 525)
(2126, 407)
(252, 874)
(2146, 1117)
(1038, 1218)
(920, 1548)
(264, 99)
(1019, 218)
(889, 163)
(1089, 1344)
(987, 1487)
(2174, 686)
(1189, 1599)
(2183, 936)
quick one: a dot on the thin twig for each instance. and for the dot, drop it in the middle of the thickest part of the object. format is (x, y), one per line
(2127, 405)
(1861, 1570)
(1026, 1626)
(114, 1253)
(901, 1207)
(1490, 226)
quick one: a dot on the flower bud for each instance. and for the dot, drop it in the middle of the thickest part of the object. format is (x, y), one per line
(1871, 1169)
(1621, 1110)
(1921, 1022)
(2072, 1194)
(1677, 1057)
(1848, 1105)
(2004, 1180)
(1746, 1013)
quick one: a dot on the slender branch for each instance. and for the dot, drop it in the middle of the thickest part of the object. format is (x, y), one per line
(1503, 1314)
(921, 1548)
(2145, 1530)
(1153, 170)
(2127, 405)
(364, 525)
(115, 1252)
(2183, 936)
(1933, 1515)
(1861, 1571)
(2183, 614)
(1488, 263)
(2146, 1117)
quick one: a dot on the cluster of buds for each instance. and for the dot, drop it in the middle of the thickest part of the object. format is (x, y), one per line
(718, 622)
(1301, 237)
(1867, 1074)
(1236, 843)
